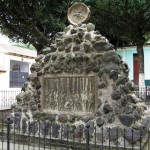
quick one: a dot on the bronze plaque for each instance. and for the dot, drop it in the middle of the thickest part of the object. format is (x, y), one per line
(72, 94)
(78, 13)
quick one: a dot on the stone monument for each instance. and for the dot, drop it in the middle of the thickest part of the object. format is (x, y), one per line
(80, 80)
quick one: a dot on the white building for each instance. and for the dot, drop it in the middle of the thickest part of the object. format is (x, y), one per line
(15, 63)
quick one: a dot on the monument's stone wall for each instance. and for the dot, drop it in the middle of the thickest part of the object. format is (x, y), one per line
(80, 80)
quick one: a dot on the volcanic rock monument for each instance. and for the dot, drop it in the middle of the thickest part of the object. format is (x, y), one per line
(81, 81)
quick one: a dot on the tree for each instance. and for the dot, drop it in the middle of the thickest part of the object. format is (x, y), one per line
(33, 22)
(36, 22)
(128, 20)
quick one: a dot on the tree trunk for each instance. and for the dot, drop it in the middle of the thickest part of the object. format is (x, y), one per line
(141, 70)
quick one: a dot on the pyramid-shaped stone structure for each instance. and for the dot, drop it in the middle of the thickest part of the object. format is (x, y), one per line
(81, 80)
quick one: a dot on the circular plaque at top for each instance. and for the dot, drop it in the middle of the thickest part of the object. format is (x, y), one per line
(78, 13)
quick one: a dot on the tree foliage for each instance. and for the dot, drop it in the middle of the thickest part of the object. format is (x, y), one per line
(127, 20)
(37, 21)
(31, 21)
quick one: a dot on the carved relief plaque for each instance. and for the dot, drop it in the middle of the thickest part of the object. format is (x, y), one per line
(78, 13)
(75, 94)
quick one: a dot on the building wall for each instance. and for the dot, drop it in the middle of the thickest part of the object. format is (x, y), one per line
(127, 56)
(2, 56)
(4, 77)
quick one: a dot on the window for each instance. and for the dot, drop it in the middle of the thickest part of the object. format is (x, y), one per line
(19, 72)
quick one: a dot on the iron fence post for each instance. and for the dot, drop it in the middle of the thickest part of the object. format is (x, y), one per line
(87, 138)
(8, 136)
(146, 93)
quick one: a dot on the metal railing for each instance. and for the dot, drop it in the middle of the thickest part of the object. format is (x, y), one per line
(7, 98)
(143, 93)
(65, 137)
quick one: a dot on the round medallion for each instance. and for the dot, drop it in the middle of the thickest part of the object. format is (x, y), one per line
(78, 13)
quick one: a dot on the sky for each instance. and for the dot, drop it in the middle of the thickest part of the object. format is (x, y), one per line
(4, 39)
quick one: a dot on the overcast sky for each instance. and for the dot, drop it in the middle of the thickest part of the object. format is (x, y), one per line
(4, 39)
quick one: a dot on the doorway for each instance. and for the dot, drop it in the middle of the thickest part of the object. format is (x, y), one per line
(136, 68)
